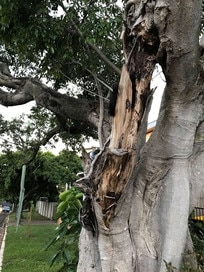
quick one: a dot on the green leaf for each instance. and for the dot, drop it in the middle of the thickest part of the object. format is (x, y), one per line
(55, 258)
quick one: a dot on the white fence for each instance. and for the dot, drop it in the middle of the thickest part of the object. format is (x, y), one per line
(47, 209)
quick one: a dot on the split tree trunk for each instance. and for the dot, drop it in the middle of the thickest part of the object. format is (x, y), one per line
(141, 194)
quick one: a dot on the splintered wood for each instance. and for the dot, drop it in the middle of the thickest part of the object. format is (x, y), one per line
(120, 157)
(127, 119)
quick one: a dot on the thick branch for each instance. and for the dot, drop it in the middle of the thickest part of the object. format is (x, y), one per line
(179, 50)
(28, 89)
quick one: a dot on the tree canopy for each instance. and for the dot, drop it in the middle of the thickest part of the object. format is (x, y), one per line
(47, 175)
(59, 36)
(61, 42)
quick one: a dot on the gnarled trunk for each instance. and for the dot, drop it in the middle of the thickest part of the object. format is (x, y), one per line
(141, 194)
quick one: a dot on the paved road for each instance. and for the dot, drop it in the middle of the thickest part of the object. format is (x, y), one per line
(2, 218)
(2, 236)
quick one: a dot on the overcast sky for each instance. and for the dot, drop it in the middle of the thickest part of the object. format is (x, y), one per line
(158, 81)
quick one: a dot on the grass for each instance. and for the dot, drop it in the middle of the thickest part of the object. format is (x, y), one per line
(26, 216)
(24, 250)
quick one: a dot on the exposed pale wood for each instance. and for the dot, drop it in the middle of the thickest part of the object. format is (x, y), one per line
(117, 169)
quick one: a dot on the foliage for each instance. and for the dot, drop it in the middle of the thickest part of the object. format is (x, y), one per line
(55, 35)
(56, 47)
(45, 175)
(10, 169)
(25, 252)
(27, 133)
(67, 233)
(197, 234)
(169, 267)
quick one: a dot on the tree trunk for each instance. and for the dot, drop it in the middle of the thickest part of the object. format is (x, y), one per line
(142, 193)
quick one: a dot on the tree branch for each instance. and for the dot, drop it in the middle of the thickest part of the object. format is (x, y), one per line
(35, 148)
(104, 58)
(101, 113)
(92, 46)
(28, 89)
(98, 51)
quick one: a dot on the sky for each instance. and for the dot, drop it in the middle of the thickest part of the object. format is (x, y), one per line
(11, 112)
(158, 82)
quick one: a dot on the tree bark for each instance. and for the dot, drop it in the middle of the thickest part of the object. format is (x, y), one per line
(142, 194)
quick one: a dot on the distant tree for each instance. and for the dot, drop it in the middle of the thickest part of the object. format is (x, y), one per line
(46, 175)
(28, 133)
(10, 169)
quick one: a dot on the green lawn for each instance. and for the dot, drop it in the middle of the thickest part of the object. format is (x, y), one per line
(24, 250)
(26, 217)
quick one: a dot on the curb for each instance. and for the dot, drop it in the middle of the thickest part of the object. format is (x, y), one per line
(2, 248)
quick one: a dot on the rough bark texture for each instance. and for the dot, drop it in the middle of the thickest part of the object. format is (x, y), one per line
(142, 194)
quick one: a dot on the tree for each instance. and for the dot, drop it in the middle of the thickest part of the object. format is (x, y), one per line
(46, 175)
(139, 195)
(63, 49)
(10, 175)
(142, 194)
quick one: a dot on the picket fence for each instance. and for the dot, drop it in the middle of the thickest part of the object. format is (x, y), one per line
(46, 209)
